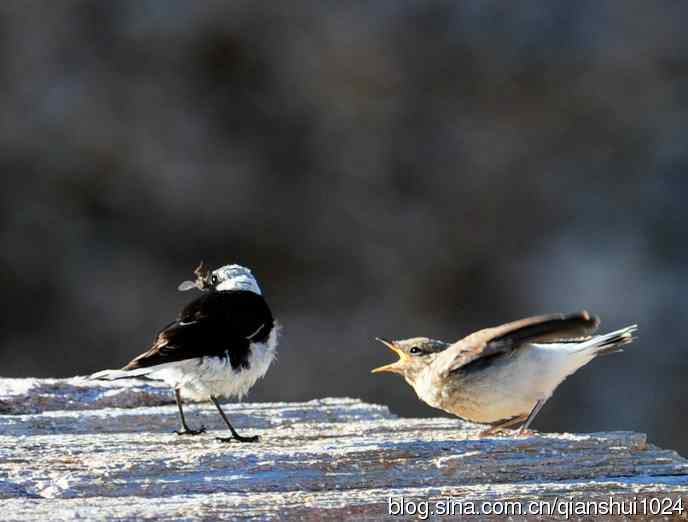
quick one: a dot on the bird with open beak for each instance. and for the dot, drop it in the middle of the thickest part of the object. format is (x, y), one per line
(502, 376)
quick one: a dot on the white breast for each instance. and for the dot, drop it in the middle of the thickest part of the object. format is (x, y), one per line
(513, 385)
(427, 389)
(202, 377)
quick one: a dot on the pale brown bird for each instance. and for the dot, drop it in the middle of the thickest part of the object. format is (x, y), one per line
(502, 376)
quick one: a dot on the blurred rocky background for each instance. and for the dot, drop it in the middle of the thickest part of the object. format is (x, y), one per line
(386, 168)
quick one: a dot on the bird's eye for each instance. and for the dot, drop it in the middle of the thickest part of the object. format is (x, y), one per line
(213, 280)
(414, 350)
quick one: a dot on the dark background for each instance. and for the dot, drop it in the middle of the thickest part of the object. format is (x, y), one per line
(387, 168)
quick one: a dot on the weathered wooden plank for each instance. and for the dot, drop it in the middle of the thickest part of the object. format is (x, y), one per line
(72, 448)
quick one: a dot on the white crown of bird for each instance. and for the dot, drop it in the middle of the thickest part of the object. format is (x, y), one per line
(228, 277)
(236, 277)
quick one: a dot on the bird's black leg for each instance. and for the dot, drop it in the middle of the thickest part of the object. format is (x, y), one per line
(523, 430)
(500, 426)
(235, 435)
(185, 429)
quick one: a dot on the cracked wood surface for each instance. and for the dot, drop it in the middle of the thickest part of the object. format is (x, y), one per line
(71, 448)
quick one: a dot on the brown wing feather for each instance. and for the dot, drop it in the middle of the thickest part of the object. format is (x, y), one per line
(545, 328)
(509, 336)
(143, 360)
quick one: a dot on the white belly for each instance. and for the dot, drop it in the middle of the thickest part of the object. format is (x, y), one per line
(202, 377)
(510, 387)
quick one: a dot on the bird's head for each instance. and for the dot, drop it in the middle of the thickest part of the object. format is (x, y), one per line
(415, 355)
(234, 277)
(228, 277)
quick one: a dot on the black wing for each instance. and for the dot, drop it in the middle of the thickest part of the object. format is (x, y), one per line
(215, 324)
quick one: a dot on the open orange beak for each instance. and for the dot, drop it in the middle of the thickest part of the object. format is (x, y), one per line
(394, 367)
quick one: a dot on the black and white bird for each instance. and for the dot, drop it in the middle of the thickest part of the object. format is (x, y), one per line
(220, 344)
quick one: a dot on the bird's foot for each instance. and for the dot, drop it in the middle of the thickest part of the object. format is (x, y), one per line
(525, 432)
(238, 438)
(504, 432)
(187, 431)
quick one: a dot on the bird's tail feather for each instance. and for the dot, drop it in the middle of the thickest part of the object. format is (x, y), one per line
(609, 343)
(111, 375)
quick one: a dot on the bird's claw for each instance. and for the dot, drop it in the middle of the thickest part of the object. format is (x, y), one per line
(506, 432)
(238, 438)
(491, 432)
(199, 431)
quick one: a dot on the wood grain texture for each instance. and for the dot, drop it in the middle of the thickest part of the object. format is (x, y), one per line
(72, 448)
